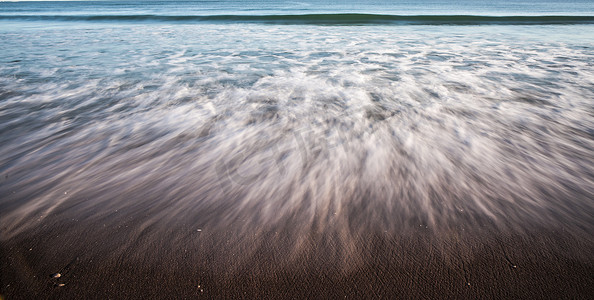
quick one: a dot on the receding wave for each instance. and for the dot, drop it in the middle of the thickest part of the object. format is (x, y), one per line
(306, 140)
(321, 19)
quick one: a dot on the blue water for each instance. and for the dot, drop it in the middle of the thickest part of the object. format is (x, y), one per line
(375, 115)
(258, 7)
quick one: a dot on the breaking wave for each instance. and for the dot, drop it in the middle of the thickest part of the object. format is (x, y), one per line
(321, 19)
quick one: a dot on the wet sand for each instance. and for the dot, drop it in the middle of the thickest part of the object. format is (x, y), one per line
(118, 260)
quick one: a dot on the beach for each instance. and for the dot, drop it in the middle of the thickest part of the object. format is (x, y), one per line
(543, 264)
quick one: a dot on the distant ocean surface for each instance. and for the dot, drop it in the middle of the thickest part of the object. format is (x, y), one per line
(271, 7)
(313, 12)
(345, 116)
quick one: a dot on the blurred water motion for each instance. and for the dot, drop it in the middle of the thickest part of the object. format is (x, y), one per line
(314, 129)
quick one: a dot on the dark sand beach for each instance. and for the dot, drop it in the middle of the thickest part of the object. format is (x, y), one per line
(114, 261)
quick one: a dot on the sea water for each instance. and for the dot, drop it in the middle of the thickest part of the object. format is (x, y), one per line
(346, 116)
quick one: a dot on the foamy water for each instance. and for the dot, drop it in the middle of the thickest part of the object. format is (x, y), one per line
(326, 128)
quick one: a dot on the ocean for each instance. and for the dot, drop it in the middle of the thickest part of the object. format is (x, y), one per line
(425, 112)
(336, 117)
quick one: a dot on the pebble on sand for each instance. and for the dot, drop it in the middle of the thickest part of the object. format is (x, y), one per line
(56, 275)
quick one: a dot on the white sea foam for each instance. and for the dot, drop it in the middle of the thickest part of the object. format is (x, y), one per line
(330, 129)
